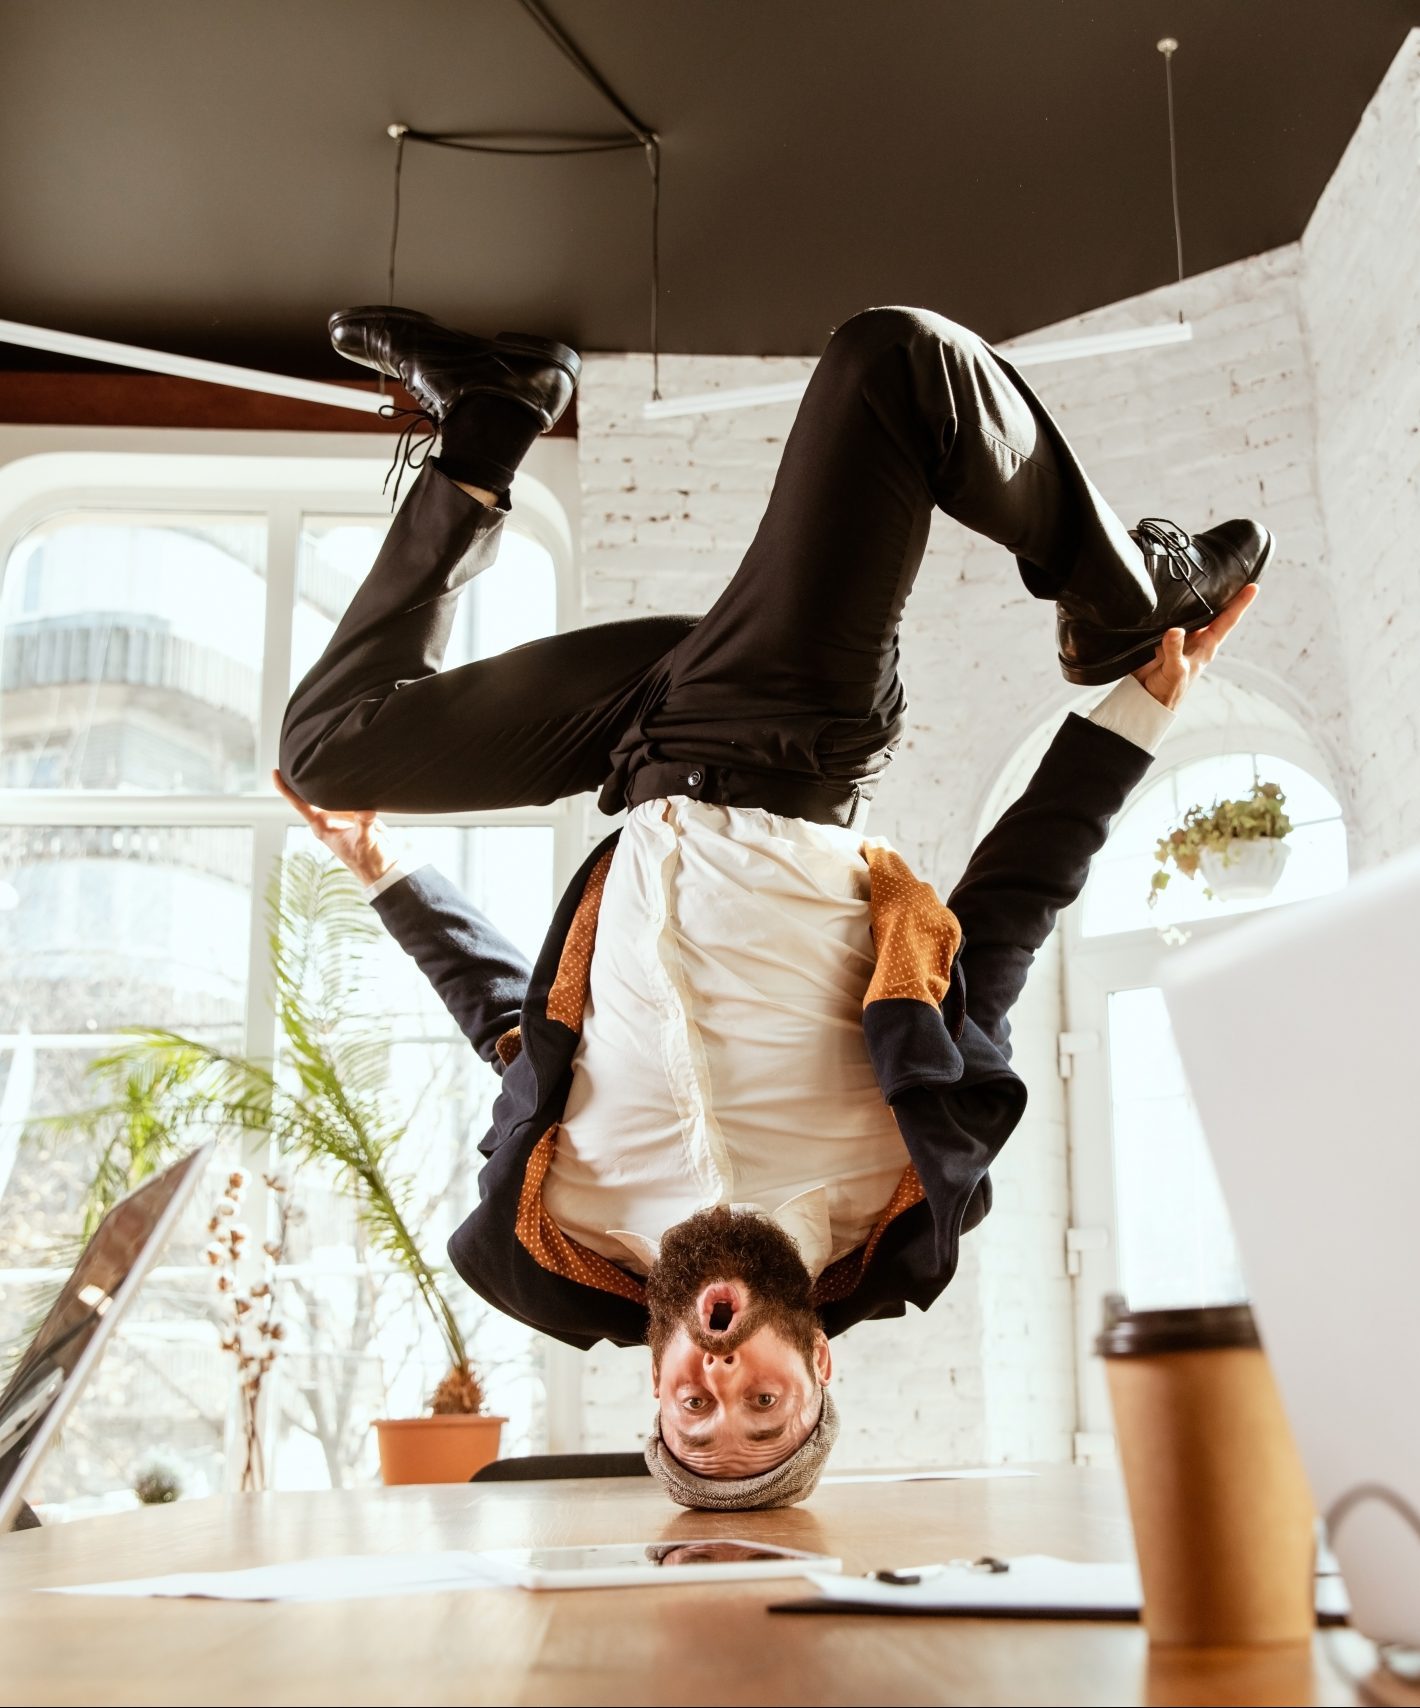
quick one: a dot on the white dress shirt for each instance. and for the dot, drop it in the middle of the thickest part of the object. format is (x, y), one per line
(722, 1058)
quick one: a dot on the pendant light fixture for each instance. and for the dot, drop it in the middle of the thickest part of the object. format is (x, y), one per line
(1127, 338)
(636, 135)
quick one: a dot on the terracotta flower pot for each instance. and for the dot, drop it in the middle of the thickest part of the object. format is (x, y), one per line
(1246, 869)
(436, 1449)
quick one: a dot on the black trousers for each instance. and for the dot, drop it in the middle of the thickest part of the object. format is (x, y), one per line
(786, 693)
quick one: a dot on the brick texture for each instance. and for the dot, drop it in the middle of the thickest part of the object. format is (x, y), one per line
(1361, 259)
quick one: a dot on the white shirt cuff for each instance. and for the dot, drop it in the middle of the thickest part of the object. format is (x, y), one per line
(1130, 710)
(396, 874)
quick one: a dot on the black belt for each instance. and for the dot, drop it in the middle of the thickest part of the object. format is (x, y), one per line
(821, 802)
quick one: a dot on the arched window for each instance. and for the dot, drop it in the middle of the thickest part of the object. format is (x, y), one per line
(1147, 1216)
(155, 613)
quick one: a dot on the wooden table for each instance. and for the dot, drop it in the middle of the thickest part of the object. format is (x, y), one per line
(692, 1644)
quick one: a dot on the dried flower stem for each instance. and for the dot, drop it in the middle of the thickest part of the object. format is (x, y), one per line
(252, 1331)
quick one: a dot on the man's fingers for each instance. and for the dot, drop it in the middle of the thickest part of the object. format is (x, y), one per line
(283, 788)
(1231, 615)
(323, 820)
(1171, 652)
(1204, 643)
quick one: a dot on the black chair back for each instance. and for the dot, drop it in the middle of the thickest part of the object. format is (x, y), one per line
(538, 1465)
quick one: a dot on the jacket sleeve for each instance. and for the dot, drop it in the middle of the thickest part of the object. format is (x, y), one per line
(480, 976)
(1035, 861)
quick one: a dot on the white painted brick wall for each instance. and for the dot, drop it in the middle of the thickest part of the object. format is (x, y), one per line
(1361, 297)
(1303, 355)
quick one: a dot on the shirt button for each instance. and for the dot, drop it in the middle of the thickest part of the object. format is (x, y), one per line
(693, 779)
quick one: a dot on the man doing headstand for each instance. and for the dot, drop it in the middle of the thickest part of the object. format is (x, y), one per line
(753, 1085)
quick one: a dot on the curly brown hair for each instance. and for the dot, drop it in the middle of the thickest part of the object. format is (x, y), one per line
(722, 1244)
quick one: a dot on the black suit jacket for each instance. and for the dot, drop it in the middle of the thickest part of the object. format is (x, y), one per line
(943, 1064)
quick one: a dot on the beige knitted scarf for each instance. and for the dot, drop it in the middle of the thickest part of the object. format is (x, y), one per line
(794, 1480)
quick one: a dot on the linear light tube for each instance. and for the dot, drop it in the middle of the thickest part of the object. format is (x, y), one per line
(187, 367)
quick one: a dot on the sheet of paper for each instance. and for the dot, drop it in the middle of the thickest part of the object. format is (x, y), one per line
(932, 1476)
(1034, 1581)
(336, 1578)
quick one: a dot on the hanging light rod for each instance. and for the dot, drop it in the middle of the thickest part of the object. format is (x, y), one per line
(1022, 356)
(187, 367)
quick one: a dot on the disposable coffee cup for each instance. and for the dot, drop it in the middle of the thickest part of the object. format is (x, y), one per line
(1223, 1518)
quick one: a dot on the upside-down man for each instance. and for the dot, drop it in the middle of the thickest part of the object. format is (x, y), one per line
(752, 1086)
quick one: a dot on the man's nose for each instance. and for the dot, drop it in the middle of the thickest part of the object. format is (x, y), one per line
(719, 1366)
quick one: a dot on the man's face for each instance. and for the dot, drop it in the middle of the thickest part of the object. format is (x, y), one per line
(737, 1355)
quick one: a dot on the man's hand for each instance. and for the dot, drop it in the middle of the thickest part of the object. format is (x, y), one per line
(356, 838)
(1180, 659)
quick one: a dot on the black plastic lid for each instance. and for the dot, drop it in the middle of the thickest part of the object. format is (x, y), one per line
(1201, 1328)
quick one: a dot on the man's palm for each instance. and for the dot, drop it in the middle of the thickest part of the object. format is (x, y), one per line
(358, 839)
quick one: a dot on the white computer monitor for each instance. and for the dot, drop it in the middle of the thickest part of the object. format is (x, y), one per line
(1300, 1035)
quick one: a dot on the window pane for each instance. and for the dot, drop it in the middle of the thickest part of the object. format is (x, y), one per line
(1116, 898)
(1175, 1239)
(512, 602)
(110, 928)
(132, 653)
(361, 1344)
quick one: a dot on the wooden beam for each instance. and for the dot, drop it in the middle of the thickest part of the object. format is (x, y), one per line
(125, 399)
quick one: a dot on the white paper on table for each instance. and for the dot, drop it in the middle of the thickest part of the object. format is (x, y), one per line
(339, 1577)
(1034, 1582)
(933, 1476)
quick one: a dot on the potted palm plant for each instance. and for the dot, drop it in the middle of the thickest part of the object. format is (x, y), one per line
(323, 1105)
(1237, 845)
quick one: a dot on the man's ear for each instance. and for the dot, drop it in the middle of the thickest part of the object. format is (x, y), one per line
(655, 1378)
(823, 1359)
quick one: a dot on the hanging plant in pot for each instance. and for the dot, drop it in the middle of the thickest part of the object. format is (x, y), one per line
(1237, 845)
(325, 1105)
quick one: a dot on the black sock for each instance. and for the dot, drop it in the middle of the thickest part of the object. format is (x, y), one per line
(484, 439)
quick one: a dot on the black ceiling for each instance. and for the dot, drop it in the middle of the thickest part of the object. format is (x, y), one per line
(214, 177)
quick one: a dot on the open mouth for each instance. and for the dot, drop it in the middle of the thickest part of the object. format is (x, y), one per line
(718, 1306)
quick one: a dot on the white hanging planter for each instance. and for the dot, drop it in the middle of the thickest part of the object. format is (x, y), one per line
(1246, 869)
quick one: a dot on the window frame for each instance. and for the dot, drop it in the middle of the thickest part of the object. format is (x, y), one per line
(250, 480)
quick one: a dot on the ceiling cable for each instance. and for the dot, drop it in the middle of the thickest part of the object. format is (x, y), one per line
(498, 142)
(550, 26)
(399, 133)
(1169, 47)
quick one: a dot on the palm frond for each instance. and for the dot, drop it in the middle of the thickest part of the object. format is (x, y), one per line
(322, 1104)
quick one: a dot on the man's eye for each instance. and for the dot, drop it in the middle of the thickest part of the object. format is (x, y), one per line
(694, 1402)
(764, 1401)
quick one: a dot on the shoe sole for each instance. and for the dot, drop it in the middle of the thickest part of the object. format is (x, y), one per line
(1107, 670)
(515, 343)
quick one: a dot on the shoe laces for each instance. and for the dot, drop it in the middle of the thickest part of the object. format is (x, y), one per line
(1172, 544)
(412, 448)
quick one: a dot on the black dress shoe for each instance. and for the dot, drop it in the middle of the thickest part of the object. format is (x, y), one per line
(488, 398)
(440, 367)
(1194, 577)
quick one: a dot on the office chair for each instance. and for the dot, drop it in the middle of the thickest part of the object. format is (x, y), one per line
(558, 1465)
